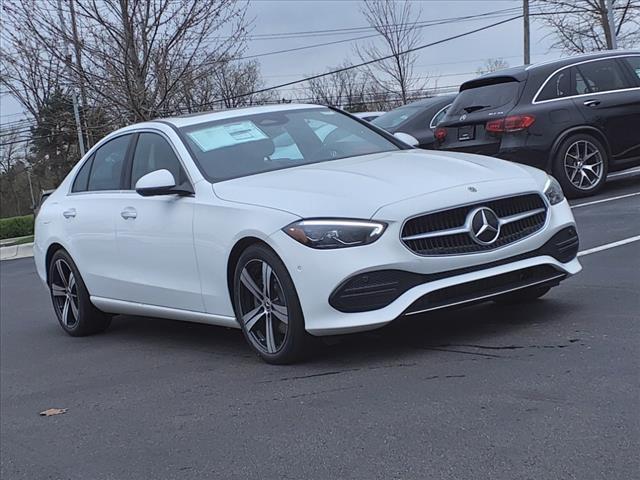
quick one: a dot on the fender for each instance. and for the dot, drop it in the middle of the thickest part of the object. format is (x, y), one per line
(580, 129)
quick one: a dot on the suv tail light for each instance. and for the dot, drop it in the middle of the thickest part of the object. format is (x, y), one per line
(440, 134)
(512, 123)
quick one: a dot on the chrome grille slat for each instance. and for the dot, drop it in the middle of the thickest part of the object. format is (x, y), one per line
(444, 232)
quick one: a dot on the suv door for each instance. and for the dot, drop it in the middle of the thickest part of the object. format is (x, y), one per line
(155, 234)
(90, 211)
(607, 99)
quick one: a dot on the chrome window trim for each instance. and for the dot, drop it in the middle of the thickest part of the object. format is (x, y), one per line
(98, 145)
(434, 125)
(535, 100)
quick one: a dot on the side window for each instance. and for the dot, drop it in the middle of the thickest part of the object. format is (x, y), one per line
(634, 63)
(108, 161)
(154, 153)
(602, 76)
(437, 118)
(82, 178)
(558, 86)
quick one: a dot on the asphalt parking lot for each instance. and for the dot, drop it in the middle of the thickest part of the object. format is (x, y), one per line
(549, 390)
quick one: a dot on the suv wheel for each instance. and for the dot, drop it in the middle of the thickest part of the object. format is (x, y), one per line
(76, 314)
(267, 307)
(581, 165)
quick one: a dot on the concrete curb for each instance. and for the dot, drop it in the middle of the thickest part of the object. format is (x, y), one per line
(16, 251)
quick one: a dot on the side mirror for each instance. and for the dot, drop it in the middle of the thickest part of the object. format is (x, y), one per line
(406, 138)
(160, 182)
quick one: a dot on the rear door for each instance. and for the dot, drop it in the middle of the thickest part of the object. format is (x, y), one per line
(478, 103)
(90, 212)
(609, 99)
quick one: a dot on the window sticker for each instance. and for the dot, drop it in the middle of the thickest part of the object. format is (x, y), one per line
(226, 135)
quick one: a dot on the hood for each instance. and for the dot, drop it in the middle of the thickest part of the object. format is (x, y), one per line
(357, 187)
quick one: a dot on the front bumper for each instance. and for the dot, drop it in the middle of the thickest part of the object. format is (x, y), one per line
(318, 273)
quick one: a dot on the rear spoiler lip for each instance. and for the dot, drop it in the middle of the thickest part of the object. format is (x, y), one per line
(490, 80)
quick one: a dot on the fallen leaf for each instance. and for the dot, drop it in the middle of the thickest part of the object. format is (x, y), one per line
(53, 411)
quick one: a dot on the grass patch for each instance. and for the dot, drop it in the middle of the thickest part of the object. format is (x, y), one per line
(14, 227)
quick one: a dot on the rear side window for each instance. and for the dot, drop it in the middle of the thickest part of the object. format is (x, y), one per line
(437, 118)
(634, 63)
(486, 97)
(82, 178)
(559, 85)
(602, 76)
(154, 153)
(397, 116)
(108, 161)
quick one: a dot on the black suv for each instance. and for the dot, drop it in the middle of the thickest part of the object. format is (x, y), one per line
(577, 118)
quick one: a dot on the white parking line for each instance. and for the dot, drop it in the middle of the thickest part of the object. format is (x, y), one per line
(607, 246)
(623, 173)
(605, 200)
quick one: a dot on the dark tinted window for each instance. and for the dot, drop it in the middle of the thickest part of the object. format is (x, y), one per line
(558, 86)
(250, 144)
(485, 97)
(82, 178)
(396, 117)
(634, 62)
(154, 153)
(602, 76)
(107, 164)
(437, 118)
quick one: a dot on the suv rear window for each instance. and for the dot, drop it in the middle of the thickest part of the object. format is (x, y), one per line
(486, 96)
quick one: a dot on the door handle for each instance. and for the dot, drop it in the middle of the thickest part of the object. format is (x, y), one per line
(129, 213)
(592, 103)
(71, 213)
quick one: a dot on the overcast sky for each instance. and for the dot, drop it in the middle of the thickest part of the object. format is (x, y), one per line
(448, 64)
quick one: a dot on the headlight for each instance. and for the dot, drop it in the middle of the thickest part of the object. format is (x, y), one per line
(332, 233)
(553, 191)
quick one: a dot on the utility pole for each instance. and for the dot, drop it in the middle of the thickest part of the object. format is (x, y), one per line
(67, 57)
(527, 32)
(612, 26)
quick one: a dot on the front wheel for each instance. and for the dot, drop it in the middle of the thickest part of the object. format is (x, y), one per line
(581, 165)
(267, 307)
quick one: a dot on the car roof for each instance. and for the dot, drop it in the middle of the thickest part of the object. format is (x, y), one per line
(426, 102)
(194, 118)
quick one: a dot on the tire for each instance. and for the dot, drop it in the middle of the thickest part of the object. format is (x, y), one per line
(581, 165)
(271, 318)
(522, 296)
(71, 301)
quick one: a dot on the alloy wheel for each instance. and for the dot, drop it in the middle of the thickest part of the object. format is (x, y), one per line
(64, 290)
(583, 164)
(263, 306)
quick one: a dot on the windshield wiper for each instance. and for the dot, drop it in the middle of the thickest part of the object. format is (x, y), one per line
(474, 108)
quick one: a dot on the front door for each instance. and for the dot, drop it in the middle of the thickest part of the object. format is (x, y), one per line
(155, 235)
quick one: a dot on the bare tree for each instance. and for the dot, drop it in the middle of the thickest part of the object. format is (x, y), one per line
(395, 22)
(11, 158)
(346, 89)
(133, 56)
(492, 65)
(235, 81)
(582, 25)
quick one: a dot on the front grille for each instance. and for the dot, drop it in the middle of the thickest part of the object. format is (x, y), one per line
(447, 232)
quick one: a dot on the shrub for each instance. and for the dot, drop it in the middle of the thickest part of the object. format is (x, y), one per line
(16, 226)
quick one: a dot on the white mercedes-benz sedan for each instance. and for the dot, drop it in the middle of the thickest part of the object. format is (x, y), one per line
(291, 222)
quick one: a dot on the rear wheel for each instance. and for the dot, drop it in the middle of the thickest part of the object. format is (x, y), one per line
(581, 165)
(267, 307)
(76, 314)
(521, 296)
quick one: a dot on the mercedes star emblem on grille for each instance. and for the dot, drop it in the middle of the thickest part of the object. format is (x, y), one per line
(485, 226)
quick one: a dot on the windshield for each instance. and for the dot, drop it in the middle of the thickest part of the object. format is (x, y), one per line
(392, 119)
(485, 97)
(246, 145)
